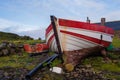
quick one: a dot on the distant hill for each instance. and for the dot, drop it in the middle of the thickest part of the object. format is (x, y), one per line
(13, 36)
(112, 24)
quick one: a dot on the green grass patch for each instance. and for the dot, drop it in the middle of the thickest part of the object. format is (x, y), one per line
(116, 41)
(99, 64)
(27, 41)
(116, 77)
(18, 61)
(55, 62)
(24, 41)
(51, 53)
(112, 67)
(94, 61)
(113, 56)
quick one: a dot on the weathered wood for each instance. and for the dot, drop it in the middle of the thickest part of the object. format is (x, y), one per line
(54, 26)
(74, 57)
(88, 20)
(103, 21)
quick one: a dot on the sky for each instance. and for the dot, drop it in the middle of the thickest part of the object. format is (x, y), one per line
(32, 17)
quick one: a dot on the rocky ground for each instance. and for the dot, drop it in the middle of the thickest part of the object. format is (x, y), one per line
(81, 72)
(19, 73)
(9, 73)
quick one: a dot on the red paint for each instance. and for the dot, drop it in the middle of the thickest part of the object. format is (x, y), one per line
(27, 48)
(83, 25)
(50, 40)
(104, 43)
(41, 47)
(48, 29)
(35, 48)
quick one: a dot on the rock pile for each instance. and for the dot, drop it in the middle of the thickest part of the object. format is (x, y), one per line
(9, 73)
(81, 72)
(84, 73)
(7, 48)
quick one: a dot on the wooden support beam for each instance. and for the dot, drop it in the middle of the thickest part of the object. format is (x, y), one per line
(103, 21)
(54, 25)
(88, 20)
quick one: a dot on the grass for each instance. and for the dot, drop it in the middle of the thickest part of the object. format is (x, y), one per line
(30, 62)
(24, 41)
(113, 56)
(28, 41)
(116, 41)
(55, 62)
(23, 61)
(116, 77)
(112, 66)
(99, 64)
(17, 61)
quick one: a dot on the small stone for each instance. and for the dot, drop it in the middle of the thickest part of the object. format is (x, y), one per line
(88, 66)
(6, 74)
(100, 75)
(67, 74)
(77, 69)
(1, 76)
(76, 75)
(115, 61)
(71, 74)
(90, 73)
(97, 79)
(86, 74)
(69, 67)
(94, 72)
(80, 71)
(83, 69)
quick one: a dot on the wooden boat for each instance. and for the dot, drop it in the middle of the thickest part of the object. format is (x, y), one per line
(68, 35)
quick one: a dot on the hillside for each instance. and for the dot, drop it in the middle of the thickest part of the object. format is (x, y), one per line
(13, 36)
(112, 24)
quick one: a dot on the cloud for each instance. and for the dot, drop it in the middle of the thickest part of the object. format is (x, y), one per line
(75, 9)
(34, 33)
(21, 29)
(10, 26)
(115, 15)
(25, 14)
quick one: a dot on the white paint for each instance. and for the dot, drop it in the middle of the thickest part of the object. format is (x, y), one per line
(70, 43)
(89, 33)
(49, 35)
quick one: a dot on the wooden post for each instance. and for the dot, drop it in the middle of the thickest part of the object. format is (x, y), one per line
(88, 20)
(102, 21)
(54, 26)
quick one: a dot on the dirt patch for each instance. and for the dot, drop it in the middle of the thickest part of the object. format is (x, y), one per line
(10, 73)
(117, 33)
